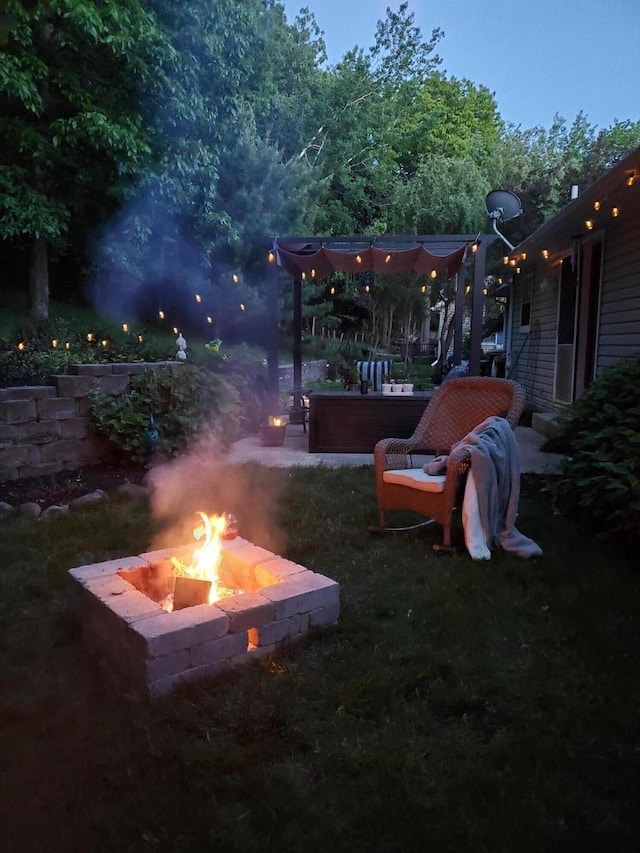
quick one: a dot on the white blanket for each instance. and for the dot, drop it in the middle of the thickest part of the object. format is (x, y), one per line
(492, 492)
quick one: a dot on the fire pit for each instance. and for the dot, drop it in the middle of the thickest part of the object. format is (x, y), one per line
(258, 601)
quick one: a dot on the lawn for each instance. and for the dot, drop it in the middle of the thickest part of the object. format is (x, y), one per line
(456, 706)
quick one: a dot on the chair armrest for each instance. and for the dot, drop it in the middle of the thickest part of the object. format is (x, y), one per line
(393, 452)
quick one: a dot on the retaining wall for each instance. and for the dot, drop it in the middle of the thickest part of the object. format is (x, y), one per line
(45, 428)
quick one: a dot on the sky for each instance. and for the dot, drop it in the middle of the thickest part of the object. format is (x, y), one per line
(538, 57)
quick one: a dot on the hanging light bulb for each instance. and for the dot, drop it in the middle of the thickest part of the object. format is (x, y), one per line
(615, 211)
(333, 291)
(125, 327)
(367, 288)
(589, 224)
(387, 260)
(433, 274)
(235, 278)
(209, 319)
(242, 308)
(198, 298)
(140, 339)
(424, 288)
(54, 343)
(67, 345)
(271, 257)
(161, 314)
(596, 205)
(358, 259)
(545, 254)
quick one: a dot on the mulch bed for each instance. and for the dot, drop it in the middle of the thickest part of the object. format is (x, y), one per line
(63, 487)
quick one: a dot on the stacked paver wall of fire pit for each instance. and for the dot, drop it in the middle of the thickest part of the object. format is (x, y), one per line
(146, 651)
(44, 429)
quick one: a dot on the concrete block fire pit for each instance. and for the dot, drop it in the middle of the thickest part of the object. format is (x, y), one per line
(147, 650)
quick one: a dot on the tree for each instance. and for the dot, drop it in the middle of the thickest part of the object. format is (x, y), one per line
(70, 126)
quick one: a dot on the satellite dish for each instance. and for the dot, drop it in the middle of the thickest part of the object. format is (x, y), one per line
(502, 205)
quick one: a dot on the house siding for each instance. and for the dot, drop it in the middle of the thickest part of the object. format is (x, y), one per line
(533, 351)
(619, 328)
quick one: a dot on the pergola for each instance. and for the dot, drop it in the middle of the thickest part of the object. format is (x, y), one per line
(318, 257)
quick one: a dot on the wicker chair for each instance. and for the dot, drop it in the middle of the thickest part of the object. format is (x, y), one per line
(454, 410)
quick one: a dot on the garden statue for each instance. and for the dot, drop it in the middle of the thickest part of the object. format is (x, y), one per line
(181, 343)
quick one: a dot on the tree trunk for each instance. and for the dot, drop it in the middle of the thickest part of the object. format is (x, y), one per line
(39, 279)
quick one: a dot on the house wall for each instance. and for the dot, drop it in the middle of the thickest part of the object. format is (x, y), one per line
(533, 352)
(619, 327)
(532, 361)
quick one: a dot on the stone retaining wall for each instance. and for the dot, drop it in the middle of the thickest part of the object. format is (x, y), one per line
(45, 428)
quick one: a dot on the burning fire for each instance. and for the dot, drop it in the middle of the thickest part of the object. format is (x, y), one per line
(206, 559)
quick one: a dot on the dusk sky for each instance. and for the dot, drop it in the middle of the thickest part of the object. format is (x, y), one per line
(539, 57)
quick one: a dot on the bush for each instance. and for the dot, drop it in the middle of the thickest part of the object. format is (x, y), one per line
(600, 483)
(183, 400)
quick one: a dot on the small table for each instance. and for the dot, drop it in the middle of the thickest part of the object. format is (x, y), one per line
(348, 422)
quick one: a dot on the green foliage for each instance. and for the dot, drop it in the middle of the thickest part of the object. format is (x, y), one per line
(184, 401)
(600, 485)
(36, 351)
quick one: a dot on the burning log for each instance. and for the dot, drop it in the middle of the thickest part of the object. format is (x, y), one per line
(189, 592)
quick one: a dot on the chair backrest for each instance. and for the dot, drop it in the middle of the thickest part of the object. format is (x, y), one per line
(459, 405)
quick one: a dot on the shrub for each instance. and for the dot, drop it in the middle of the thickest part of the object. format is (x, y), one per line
(183, 400)
(600, 483)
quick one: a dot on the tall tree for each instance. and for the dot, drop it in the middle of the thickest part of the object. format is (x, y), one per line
(71, 130)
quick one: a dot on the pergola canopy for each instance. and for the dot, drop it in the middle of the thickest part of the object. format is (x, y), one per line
(320, 257)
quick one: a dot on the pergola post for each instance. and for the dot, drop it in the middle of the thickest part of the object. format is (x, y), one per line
(297, 343)
(477, 306)
(273, 390)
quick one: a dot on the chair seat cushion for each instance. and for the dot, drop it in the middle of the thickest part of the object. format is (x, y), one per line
(416, 478)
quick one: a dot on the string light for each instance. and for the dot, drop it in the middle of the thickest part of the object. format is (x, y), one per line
(633, 177)
(20, 346)
(545, 254)
(433, 274)
(90, 337)
(358, 259)
(615, 211)
(161, 315)
(54, 343)
(140, 339)
(125, 327)
(242, 308)
(313, 273)
(367, 288)
(505, 260)
(424, 288)
(271, 257)
(198, 298)
(474, 247)
(588, 224)
(333, 291)
(67, 345)
(104, 342)
(387, 259)
(209, 319)
(596, 205)
(235, 278)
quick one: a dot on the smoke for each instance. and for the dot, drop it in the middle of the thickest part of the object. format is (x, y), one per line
(145, 263)
(199, 480)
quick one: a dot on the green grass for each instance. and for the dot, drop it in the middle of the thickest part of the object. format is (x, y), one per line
(456, 706)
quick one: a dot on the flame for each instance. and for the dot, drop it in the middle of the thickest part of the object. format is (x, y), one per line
(205, 561)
